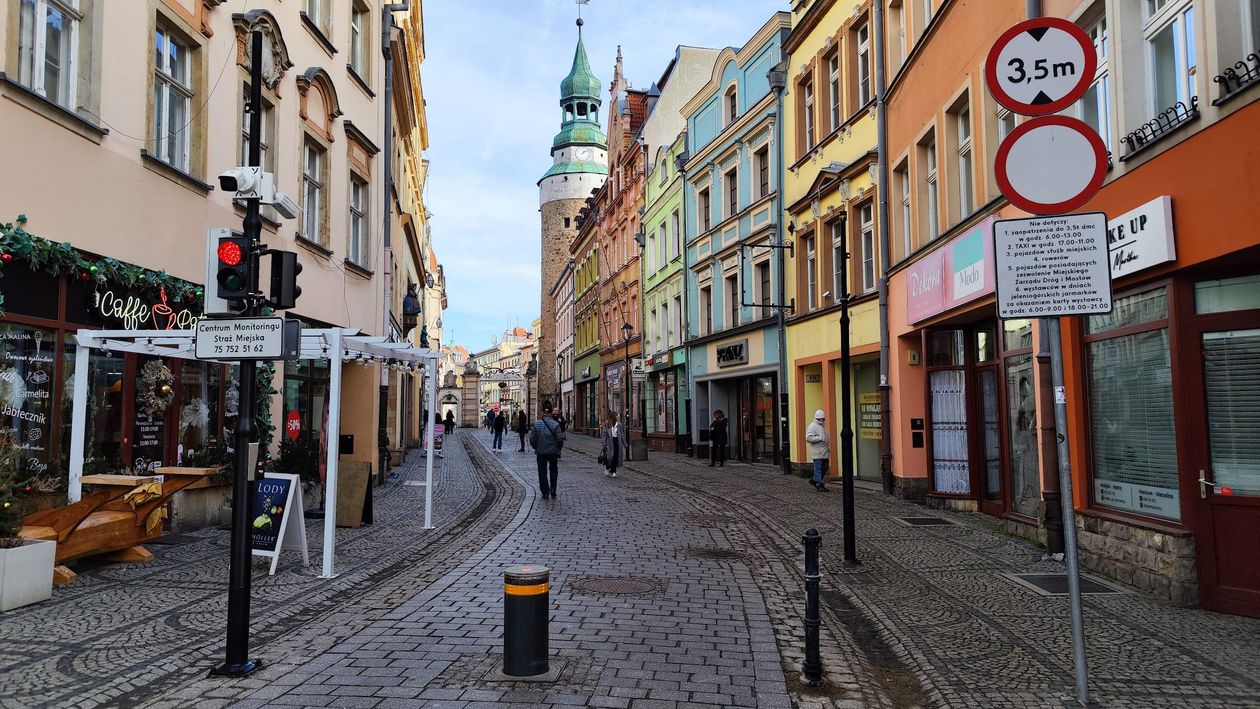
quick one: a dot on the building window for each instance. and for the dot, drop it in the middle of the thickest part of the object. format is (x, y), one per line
(358, 221)
(566, 222)
(927, 14)
(662, 247)
(678, 318)
(811, 273)
(864, 64)
(902, 174)
(732, 105)
(676, 224)
(833, 89)
(838, 258)
(48, 39)
(654, 337)
(762, 160)
(360, 28)
(313, 193)
(962, 121)
(808, 89)
(1094, 107)
(172, 99)
(663, 171)
(1005, 123)
(706, 309)
(732, 192)
(931, 191)
(317, 10)
(763, 287)
(1169, 31)
(732, 300)
(1132, 436)
(867, 218)
(706, 212)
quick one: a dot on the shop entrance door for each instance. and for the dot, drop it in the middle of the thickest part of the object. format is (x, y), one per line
(1226, 464)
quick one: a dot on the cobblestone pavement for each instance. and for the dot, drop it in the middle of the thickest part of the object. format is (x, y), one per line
(125, 632)
(934, 600)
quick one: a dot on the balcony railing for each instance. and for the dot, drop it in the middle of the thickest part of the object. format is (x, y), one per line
(1162, 125)
(1238, 77)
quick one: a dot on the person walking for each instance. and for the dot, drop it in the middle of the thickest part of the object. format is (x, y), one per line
(547, 440)
(500, 425)
(718, 431)
(490, 419)
(450, 422)
(819, 448)
(613, 449)
(521, 426)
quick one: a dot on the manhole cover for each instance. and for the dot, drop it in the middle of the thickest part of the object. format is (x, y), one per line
(617, 585)
(922, 521)
(697, 518)
(714, 553)
(1057, 584)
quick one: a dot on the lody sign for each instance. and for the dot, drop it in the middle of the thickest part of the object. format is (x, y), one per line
(278, 522)
(732, 354)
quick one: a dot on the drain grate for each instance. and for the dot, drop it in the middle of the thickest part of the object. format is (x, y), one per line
(714, 553)
(1057, 584)
(707, 519)
(922, 521)
(617, 585)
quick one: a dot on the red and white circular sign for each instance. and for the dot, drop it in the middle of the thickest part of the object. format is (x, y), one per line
(1051, 165)
(293, 425)
(1040, 66)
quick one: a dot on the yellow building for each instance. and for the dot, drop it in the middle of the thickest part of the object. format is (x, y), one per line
(829, 155)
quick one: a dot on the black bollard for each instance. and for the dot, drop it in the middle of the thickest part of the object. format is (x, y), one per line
(526, 612)
(811, 669)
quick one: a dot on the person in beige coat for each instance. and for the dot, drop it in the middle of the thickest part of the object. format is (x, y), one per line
(819, 448)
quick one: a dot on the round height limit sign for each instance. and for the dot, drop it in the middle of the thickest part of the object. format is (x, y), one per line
(1040, 66)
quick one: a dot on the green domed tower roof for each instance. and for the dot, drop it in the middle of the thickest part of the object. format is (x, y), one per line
(579, 128)
(581, 81)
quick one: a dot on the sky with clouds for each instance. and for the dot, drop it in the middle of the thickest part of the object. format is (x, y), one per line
(491, 77)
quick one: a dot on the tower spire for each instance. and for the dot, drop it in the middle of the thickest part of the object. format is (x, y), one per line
(580, 3)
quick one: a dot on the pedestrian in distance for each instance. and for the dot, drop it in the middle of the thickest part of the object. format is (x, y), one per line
(450, 422)
(521, 426)
(547, 440)
(718, 432)
(819, 449)
(613, 448)
(490, 419)
(562, 419)
(500, 425)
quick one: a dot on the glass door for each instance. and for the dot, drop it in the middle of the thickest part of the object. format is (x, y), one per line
(947, 402)
(763, 420)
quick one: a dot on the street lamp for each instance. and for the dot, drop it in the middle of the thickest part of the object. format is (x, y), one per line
(846, 396)
(626, 330)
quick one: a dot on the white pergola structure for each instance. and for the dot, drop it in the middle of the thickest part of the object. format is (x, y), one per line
(337, 345)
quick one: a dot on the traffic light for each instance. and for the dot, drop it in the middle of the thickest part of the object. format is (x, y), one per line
(215, 303)
(232, 275)
(284, 272)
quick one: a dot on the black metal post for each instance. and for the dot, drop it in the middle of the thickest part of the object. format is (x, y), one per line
(526, 612)
(236, 661)
(811, 669)
(625, 398)
(846, 405)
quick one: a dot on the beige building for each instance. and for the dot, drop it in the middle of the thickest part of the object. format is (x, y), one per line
(124, 113)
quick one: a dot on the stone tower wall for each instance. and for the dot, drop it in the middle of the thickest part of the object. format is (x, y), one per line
(556, 240)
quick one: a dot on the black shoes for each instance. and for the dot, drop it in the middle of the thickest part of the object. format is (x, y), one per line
(820, 487)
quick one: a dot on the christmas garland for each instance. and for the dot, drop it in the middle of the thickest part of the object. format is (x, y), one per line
(57, 259)
(156, 389)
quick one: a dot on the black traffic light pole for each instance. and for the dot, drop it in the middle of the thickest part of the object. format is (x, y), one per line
(237, 662)
(846, 406)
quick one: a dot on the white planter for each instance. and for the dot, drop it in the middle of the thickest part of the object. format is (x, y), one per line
(26, 574)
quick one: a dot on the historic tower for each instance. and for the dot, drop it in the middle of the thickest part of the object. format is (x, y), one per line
(580, 165)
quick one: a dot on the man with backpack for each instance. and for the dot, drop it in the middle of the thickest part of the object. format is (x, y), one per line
(547, 440)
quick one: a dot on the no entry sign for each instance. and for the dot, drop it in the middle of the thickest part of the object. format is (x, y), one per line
(1040, 66)
(1051, 165)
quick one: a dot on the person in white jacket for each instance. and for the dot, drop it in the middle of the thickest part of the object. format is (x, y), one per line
(819, 449)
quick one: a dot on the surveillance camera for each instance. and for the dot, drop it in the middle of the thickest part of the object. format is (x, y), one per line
(241, 179)
(284, 205)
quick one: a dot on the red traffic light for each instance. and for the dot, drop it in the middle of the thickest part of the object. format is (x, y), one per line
(230, 253)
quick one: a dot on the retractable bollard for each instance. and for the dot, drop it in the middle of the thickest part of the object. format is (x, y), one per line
(811, 669)
(526, 612)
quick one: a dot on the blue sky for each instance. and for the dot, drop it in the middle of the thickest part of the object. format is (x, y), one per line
(492, 84)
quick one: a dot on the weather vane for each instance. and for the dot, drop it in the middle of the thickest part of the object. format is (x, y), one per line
(580, 3)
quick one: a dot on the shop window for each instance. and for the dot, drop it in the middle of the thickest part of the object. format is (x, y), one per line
(306, 392)
(1129, 377)
(1218, 296)
(199, 394)
(1231, 372)
(951, 472)
(27, 384)
(947, 348)
(28, 292)
(1021, 417)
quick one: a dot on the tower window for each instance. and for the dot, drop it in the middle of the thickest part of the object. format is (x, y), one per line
(581, 110)
(566, 222)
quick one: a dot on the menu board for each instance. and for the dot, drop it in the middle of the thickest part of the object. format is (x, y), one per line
(147, 444)
(27, 367)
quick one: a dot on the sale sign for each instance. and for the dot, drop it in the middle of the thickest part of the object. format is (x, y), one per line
(293, 425)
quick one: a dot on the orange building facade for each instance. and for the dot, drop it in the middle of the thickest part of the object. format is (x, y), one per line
(1161, 393)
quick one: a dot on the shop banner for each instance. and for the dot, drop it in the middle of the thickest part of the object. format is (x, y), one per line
(868, 416)
(953, 275)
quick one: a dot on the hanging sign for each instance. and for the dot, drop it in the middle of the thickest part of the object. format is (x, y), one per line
(1052, 266)
(278, 520)
(1040, 66)
(1051, 165)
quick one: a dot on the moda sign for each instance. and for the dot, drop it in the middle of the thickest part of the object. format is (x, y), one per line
(958, 273)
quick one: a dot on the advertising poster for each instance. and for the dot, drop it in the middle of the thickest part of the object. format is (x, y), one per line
(271, 497)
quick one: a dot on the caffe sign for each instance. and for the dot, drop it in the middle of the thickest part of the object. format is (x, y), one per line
(733, 353)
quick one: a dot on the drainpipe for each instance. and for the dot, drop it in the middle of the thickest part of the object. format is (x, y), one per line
(387, 25)
(680, 162)
(885, 258)
(778, 82)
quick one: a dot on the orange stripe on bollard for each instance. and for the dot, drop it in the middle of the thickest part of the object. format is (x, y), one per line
(512, 589)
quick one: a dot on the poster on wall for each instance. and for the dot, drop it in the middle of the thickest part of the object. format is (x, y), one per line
(26, 395)
(868, 416)
(1143, 499)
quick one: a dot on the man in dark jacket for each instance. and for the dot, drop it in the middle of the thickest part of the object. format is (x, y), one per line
(547, 439)
(500, 425)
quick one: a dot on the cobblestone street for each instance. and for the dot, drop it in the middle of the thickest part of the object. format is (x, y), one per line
(673, 585)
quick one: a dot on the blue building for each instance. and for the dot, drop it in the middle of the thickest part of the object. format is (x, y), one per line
(731, 199)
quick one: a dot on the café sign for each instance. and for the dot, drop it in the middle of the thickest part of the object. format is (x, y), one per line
(733, 353)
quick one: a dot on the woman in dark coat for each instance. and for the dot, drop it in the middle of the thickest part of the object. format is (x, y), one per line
(450, 422)
(521, 426)
(718, 439)
(500, 425)
(614, 445)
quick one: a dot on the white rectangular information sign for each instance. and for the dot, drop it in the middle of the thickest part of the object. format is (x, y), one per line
(1052, 266)
(241, 338)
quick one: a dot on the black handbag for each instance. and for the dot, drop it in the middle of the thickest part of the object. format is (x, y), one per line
(602, 459)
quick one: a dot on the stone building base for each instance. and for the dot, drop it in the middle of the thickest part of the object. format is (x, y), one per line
(953, 504)
(915, 489)
(1160, 563)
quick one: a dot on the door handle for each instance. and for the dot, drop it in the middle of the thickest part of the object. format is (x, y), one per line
(1204, 484)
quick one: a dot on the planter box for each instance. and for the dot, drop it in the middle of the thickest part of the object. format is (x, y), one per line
(197, 507)
(26, 574)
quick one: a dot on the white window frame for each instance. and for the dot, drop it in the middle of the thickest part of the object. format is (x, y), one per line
(662, 247)
(31, 59)
(315, 10)
(907, 214)
(833, 88)
(268, 122)
(360, 32)
(676, 223)
(933, 192)
(678, 320)
(1170, 13)
(313, 186)
(730, 104)
(357, 248)
(166, 83)
(966, 167)
(808, 89)
(811, 272)
(1005, 123)
(837, 260)
(864, 64)
(866, 217)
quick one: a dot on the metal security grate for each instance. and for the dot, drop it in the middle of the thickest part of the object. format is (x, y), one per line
(1057, 585)
(617, 585)
(923, 521)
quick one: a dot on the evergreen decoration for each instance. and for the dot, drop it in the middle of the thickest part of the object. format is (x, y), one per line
(13, 484)
(263, 391)
(156, 389)
(57, 259)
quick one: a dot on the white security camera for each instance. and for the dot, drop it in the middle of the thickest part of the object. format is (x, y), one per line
(248, 183)
(284, 205)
